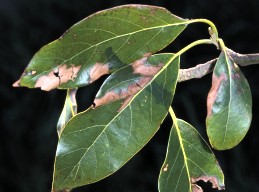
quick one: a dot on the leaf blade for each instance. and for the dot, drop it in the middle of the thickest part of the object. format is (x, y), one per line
(229, 105)
(105, 144)
(69, 110)
(100, 43)
(184, 164)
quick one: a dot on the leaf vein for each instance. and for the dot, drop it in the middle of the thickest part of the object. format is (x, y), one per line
(197, 166)
(172, 167)
(127, 21)
(97, 29)
(131, 33)
(118, 49)
(73, 151)
(145, 44)
(72, 132)
(180, 175)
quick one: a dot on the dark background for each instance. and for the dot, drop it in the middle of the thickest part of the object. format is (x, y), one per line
(28, 136)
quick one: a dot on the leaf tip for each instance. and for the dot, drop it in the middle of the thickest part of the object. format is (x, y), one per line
(17, 83)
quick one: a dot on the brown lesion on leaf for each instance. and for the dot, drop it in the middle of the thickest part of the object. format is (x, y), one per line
(235, 72)
(126, 94)
(196, 188)
(146, 73)
(147, 54)
(216, 82)
(125, 102)
(56, 77)
(165, 168)
(213, 180)
(236, 76)
(17, 83)
(144, 69)
(98, 70)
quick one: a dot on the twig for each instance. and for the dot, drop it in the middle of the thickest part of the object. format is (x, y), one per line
(244, 59)
(196, 72)
(203, 69)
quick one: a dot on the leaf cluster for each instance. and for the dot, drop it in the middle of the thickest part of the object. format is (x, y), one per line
(135, 98)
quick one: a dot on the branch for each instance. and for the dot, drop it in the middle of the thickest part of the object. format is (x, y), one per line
(244, 59)
(203, 69)
(196, 72)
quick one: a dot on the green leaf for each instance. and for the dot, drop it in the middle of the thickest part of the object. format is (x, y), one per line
(229, 105)
(97, 142)
(69, 110)
(188, 160)
(100, 44)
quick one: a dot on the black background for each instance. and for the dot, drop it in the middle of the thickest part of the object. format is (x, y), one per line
(28, 136)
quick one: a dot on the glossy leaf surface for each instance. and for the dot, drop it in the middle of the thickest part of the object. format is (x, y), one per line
(69, 110)
(188, 160)
(97, 142)
(229, 105)
(100, 44)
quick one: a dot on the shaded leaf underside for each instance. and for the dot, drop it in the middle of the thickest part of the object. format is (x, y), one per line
(69, 110)
(97, 142)
(188, 160)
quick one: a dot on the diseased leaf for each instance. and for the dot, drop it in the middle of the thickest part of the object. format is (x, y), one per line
(126, 82)
(97, 142)
(100, 44)
(229, 105)
(69, 110)
(188, 160)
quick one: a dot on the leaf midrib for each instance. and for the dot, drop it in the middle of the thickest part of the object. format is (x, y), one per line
(183, 151)
(119, 36)
(230, 100)
(126, 34)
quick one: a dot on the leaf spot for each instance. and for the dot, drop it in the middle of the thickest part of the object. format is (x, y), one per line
(131, 90)
(98, 70)
(165, 168)
(125, 103)
(33, 72)
(236, 76)
(213, 180)
(141, 67)
(196, 188)
(55, 78)
(216, 82)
